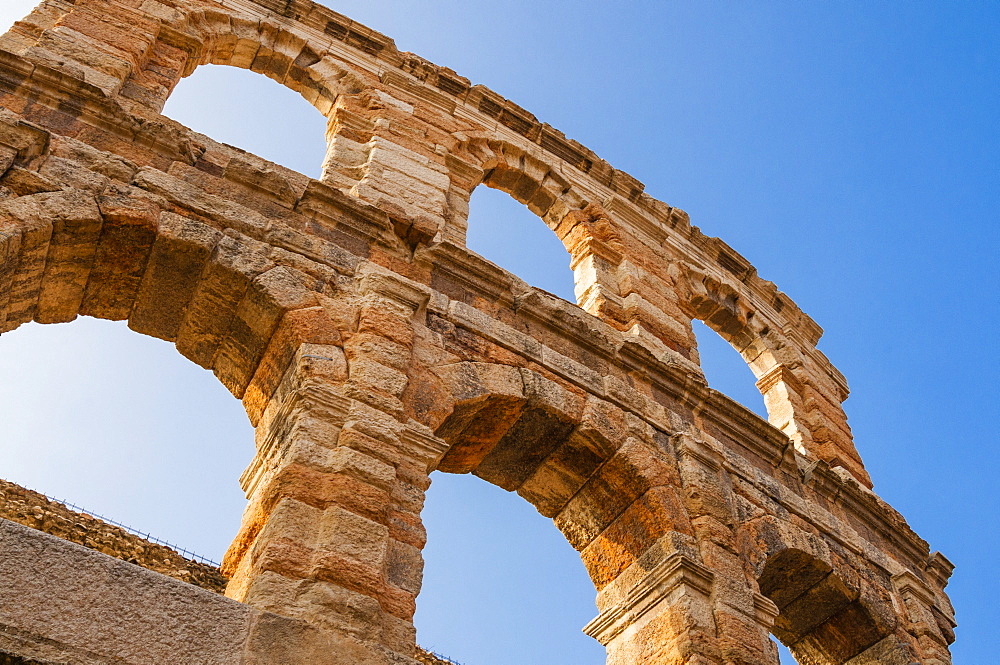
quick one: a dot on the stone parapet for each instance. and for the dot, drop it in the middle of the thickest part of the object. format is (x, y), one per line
(35, 510)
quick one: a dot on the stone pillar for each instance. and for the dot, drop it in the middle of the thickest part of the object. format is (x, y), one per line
(667, 608)
(743, 616)
(332, 533)
(927, 624)
(657, 613)
(371, 155)
(685, 598)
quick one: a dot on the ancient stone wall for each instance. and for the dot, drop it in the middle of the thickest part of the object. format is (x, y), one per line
(425, 657)
(34, 510)
(370, 347)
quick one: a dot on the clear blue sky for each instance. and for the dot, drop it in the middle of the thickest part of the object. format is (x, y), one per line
(849, 150)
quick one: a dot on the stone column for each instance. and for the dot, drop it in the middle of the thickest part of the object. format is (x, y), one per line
(658, 611)
(685, 597)
(332, 533)
(928, 625)
(372, 156)
(670, 608)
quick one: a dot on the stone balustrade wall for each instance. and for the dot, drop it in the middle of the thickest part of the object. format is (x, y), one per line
(34, 510)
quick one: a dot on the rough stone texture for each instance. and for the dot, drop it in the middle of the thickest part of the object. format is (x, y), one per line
(370, 347)
(63, 603)
(32, 509)
(425, 657)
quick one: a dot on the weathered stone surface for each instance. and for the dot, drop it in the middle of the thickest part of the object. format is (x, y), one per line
(370, 347)
(65, 600)
(60, 603)
(23, 506)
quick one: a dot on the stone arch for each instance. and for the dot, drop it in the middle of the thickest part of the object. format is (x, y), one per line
(219, 38)
(608, 480)
(214, 292)
(826, 618)
(531, 178)
(142, 55)
(138, 59)
(724, 308)
(802, 391)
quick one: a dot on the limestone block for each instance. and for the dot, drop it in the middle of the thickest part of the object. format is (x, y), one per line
(563, 473)
(10, 245)
(315, 248)
(322, 604)
(270, 295)
(634, 469)
(226, 213)
(307, 333)
(657, 515)
(347, 540)
(405, 566)
(369, 375)
(363, 467)
(380, 349)
(236, 260)
(263, 178)
(73, 175)
(182, 248)
(31, 218)
(276, 639)
(518, 454)
(72, 247)
(126, 240)
(489, 399)
(481, 323)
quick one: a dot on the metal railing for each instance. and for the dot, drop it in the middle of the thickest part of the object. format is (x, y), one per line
(440, 657)
(187, 554)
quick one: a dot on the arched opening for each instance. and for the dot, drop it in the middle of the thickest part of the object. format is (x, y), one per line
(500, 584)
(576, 461)
(120, 424)
(823, 619)
(250, 111)
(507, 233)
(726, 370)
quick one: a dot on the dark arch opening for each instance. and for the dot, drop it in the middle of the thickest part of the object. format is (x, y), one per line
(822, 619)
(507, 233)
(252, 112)
(121, 424)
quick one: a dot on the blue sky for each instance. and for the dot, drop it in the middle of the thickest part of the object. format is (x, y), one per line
(849, 150)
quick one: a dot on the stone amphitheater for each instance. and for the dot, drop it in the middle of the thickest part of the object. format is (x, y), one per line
(370, 347)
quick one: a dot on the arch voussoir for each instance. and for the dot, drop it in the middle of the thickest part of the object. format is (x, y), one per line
(50, 245)
(269, 296)
(182, 248)
(487, 400)
(236, 260)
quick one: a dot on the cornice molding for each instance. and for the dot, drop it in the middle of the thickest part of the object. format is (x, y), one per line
(674, 574)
